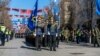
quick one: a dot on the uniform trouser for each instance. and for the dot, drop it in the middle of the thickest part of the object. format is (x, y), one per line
(38, 42)
(57, 41)
(95, 42)
(52, 43)
(47, 40)
(78, 39)
(7, 37)
(10, 36)
(3, 41)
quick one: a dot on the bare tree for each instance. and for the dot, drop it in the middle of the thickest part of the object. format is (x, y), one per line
(81, 11)
(4, 17)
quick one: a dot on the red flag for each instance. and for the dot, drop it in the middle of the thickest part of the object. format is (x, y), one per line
(15, 9)
(28, 12)
(23, 11)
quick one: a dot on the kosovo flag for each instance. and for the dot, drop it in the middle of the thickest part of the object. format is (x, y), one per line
(32, 18)
(98, 7)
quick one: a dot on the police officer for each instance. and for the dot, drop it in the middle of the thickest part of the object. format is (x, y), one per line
(96, 37)
(62, 35)
(3, 30)
(57, 34)
(48, 33)
(7, 35)
(10, 34)
(52, 38)
(78, 36)
(39, 34)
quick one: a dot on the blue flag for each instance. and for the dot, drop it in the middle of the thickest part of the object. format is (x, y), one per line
(56, 12)
(32, 18)
(36, 8)
(98, 7)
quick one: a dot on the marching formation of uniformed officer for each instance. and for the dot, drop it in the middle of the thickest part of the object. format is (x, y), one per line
(46, 34)
(4, 34)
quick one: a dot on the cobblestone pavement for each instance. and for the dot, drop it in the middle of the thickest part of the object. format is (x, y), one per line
(14, 48)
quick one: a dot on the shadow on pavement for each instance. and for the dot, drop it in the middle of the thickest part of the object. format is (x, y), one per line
(86, 45)
(30, 46)
(34, 48)
(27, 47)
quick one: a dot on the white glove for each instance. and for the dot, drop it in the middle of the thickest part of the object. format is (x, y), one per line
(56, 34)
(34, 34)
(48, 33)
(43, 35)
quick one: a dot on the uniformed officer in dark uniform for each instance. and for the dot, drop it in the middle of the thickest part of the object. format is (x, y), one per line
(96, 37)
(39, 33)
(52, 38)
(57, 34)
(47, 31)
(78, 35)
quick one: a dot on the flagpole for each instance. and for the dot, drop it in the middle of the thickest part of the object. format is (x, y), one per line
(36, 25)
(56, 15)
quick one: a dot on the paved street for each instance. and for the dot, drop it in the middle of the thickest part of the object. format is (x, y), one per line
(17, 47)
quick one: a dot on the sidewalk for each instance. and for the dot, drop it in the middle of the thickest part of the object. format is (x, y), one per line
(14, 48)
